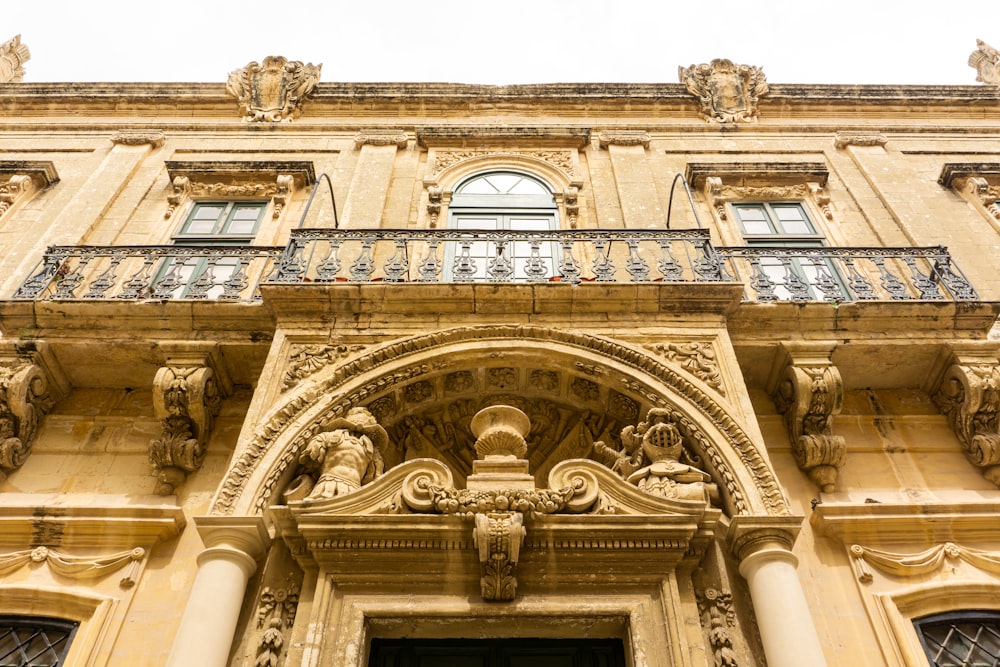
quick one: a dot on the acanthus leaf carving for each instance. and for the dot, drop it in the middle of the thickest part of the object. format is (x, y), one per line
(726, 92)
(969, 396)
(698, 359)
(498, 536)
(276, 609)
(24, 399)
(273, 90)
(304, 360)
(809, 393)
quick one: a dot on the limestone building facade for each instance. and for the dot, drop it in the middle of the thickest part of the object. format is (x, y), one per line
(297, 372)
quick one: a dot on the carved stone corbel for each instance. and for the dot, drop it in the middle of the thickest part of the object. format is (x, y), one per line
(571, 200)
(187, 393)
(17, 187)
(30, 383)
(969, 396)
(859, 138)
(808, 391)
(381, 137)
(138, 138)
(623, 138)
(434, 197)
(23, 179)
(499, 537)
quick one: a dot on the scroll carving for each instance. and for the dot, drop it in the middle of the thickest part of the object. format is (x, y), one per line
(272, 91)
(922, 563)
(18, 187)
(380, 137)
(986, 61)
(182, 189)
(845, 139)
(304, 360)
(809, 393)
(969, 396)
(138, 138)
(499, 537)
(624, 138)
(13, 55)
(560, 159)
(698, 359)
(186, 400)
(718, 617)
(719, 194)
(726, 92)
(25, 397)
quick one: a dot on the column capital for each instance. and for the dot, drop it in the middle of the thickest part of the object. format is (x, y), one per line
(247, 534)
(752, 534)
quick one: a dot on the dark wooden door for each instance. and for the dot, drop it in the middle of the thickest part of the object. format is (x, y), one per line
(497, 653)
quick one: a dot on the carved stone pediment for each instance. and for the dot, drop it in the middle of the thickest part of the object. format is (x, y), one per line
(273, 90)
(726, 92)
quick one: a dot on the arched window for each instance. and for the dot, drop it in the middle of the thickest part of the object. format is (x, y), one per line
(503, 201)
(961, 639)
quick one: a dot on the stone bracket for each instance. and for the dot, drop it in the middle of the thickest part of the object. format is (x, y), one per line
(30, 383)
(187, 393)
(807, 389)
(499, 536)
(969, 396)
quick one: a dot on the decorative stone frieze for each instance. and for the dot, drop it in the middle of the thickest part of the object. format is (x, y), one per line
(698, 359)
(561, 160)
(859, 138)
(623, 138)
(77, 567)
(986, 61)
(13, 55)
(808, 391)
(187, 394)
(718, 617)
(304, 360)
(969, 396)
(919, 564)
(138, 138)
(381, 137)
(726, 92)
(275, 180)
(726, 182)
(272, 91)
(30, 383)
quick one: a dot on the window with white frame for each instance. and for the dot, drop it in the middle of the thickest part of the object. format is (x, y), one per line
(961, 639)
(503, 201)
(30, 641)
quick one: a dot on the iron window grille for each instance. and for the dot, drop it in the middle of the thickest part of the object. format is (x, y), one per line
(27, 641)
(961, 639)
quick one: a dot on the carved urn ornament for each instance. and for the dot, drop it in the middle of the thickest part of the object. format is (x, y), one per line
(726, 92)
(272, 91)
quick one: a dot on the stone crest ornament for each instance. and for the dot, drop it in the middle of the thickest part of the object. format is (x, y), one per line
(348, 455)
(726, 92)
(986, 61)
(13, 55)
(272, 91)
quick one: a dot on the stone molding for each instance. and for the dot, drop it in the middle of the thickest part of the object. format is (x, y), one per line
(901, 521)
(749, 535)
(274, 180)
(308, 406)
(77, 567)
(154, 138)
(968, 394)
(807, 390)
(381, 137)
(187, 394)
(13, 55)
(272, 91)
(986, 61)
(859, 138)
(726, 92)
(39, 520)
(560, 160)
(623, 138)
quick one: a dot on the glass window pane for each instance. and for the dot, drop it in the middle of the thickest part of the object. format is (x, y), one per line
(243, 219)
(792, 220)
(526, 186)
(479, 186)
(504, 182)
(754, 220)
(203, 219)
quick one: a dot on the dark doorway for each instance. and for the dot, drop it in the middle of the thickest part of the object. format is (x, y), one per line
(497, 653)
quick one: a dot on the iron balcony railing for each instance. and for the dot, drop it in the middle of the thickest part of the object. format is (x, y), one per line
(319, 256)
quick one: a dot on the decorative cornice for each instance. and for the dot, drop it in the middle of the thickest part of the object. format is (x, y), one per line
(858, 138)
(902, 522)
(272, 91)
(953, 171)
(381, 137)
(808, 391)
(761, 174)
(464, 136)
(623, 138)
(138, 138)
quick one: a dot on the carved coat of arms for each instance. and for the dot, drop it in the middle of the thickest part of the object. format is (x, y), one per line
(986, 60)
(271, 91)
(726, 92)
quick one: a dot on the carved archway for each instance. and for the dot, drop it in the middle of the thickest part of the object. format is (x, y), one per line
(591, 375)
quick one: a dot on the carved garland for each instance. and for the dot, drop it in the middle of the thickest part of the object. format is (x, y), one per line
(924, 562)
(77, 567)
(970, 397)
(717, 617)
(276, 609)
(266, 434)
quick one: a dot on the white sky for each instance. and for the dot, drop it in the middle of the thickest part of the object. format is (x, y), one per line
(504, 41)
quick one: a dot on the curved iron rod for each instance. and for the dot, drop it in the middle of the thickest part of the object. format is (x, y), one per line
(670, 202)
(333, 200)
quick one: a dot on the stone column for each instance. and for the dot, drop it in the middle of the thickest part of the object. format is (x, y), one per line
(233, 546)
(763, 546)
(369, 188)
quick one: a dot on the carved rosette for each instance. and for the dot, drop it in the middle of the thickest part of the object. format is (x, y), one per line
(726, 92)
(969, 396)
(24, 400)
(986, 61)
(186, 400)
(499, 537)
(272, 91)
(717, 617)
(809, 393)
(13, 55)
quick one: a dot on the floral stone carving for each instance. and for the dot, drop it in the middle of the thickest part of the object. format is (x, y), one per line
(726, 92)
(970, 397)
(276, 610)
(809, 394)
(718, 617)
(273, 90)
(346, 456)
(499, 537)
(650, 459)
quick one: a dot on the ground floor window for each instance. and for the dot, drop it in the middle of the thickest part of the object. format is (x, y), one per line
(497, 653)
(961, 639)
(29, 641)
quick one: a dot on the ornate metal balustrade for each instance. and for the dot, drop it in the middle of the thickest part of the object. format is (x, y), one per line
(316, 256)
(223, 273)
(847, 274)
(572, 256)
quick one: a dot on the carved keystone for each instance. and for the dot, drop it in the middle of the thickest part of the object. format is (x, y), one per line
(499, 537)
(807, 389)
(187, 393)
(30, 383)
(969, 396)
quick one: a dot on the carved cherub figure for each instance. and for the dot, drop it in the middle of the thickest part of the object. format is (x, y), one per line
(348, 455)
